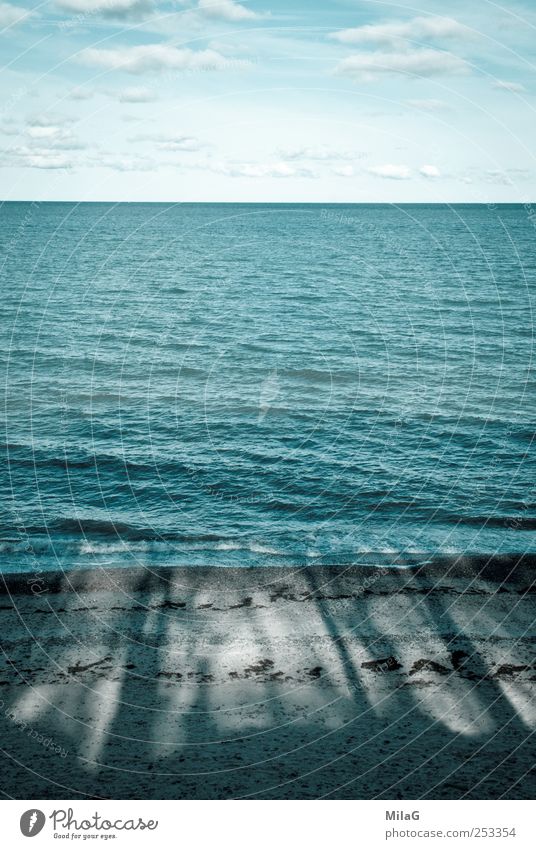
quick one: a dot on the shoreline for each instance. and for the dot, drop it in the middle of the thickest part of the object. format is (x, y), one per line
(271, 682)
(516, 567)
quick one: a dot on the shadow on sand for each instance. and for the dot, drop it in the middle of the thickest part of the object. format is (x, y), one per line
(271, 683)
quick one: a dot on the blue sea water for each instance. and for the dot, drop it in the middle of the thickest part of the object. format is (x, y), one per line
(265, 384)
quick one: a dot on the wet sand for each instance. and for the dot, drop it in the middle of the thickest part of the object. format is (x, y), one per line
(271, 683)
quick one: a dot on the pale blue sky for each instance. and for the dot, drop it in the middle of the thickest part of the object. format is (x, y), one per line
(351, 100)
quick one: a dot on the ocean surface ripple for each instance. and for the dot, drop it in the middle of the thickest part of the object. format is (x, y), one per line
(265, 384)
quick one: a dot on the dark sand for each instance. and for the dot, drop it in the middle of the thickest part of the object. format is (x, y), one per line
(271, 683)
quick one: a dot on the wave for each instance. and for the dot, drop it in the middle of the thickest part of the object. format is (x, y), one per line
(30, 456)
(311, 375)
(66, 526)
(520, 523)
(165, 549)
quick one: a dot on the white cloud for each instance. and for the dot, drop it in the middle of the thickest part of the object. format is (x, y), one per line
(47, 119)
(344, 171)
(505, 177)
(320, 153)
(137, 94)
(429, 104)
(25, 157)
(56, 138)
(52, 131)
(278, 169)
(499, 177)
(43, 132)
(81, 94)
(391, 33)
(10, 14)
(226, 10)
(180, 144)
(10, 129)
(170, 143)
(508, 86)
(47, 158)
(157, 57)
(391, 172)
(429, 171)
(119, 162)
(420, 63)
(109, 8)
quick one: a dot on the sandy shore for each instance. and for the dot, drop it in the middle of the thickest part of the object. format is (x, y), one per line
(270, 683)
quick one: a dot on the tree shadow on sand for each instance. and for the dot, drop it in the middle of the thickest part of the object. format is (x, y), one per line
(270, 683)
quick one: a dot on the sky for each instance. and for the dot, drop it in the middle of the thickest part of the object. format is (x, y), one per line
(269, 100)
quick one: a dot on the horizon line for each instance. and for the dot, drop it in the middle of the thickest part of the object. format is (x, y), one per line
(490, 203)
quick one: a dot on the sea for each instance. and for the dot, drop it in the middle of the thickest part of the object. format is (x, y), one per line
(265, 384)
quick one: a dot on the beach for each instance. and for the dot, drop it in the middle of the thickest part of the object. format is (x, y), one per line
(270, 683)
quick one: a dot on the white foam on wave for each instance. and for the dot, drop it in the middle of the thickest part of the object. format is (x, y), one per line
(228, 546)
(257, 548)
(253, 547)
(110, 547)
